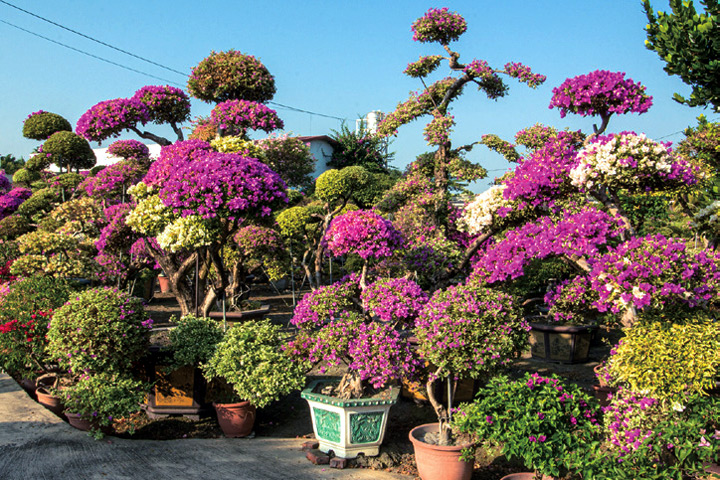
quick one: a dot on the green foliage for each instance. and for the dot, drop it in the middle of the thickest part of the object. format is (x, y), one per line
(540, 421)
(99, 330)
(13, 226)
(67, 182)
(103, 398)
(69, 150)
(290, 157)
(38, 162)
(231, 75)
(23, 176)
(193, 341)
(40, 203)
(29, 302)
(335, 186)
(250, 360)
(689, 44)
(668, 357)
(40, 126)
(11, 164)
(293, 221)
(361, 148)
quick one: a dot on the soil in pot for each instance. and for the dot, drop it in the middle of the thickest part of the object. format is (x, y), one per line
(235, 419)
(435, 462)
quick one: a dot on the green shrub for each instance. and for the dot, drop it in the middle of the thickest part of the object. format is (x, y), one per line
(250, 360)
(41, 125)
(99, 330)
(13, 226)
(41, 202)
(193, 341)
(25, 177)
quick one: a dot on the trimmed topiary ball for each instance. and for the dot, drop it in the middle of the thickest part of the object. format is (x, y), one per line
(40, 125)
(231, 75)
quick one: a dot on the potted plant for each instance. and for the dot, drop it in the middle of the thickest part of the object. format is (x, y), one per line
(370, 351)
(547, 424)
(99, 336)
(179, 385)
(464, 331)
(250, 361)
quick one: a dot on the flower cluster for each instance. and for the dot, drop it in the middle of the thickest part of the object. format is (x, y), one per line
(600, 93)
(575, 235)
(424, 66)
(238, 116)
(655, 271)
(364, 233)
(171, 156)
(439, 25)
(289, 156)
(165, 104)
(626, 421)
(127, 149)
(325, 303)
(110, 117)
(468, 330)
(571, 301)
(524, 74)
(110, 182)
(437, 132)
(479, 68)
(632, 162)
(187, 233)
(12, 200)
(479, 215)
(394, 300)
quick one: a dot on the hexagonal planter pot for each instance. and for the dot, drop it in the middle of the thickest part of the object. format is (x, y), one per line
(349, 427)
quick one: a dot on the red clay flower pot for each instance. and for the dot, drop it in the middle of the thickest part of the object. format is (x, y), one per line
(164, 284)
(435, 462)
(235, 419)
(51, 402)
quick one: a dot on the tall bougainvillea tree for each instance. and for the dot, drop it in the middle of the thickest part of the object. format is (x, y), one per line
(192, 201)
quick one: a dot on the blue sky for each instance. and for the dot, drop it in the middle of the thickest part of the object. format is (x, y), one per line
(340, 59)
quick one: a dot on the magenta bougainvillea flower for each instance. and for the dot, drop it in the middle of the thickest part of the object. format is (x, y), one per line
(364, 233)
(236, 117)
(128, 149)
(600, 93)
(439, 25)
(110, 117)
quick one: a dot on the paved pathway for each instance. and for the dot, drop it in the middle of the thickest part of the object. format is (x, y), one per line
(37, 445)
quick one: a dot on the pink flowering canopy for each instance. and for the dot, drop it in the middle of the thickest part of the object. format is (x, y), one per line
(128, 149)
(236, 117)
(12, 200)
(221, 184)
(439, 25)
(110, 181)
(600, 93)
(165, 104)
(394, 300)
(173, 155)
(364, 233)
(109, 118)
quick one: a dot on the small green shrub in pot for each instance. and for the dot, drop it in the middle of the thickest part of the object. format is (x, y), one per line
(669, 356)
(193, 341)
(102, 398)
(99, 330)
(251, 361)
(548, 425)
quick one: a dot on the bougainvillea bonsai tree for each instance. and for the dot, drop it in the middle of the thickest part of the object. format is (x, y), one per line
(192, 201)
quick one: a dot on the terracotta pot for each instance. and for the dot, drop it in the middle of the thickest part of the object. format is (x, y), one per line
(75, 420)
(164, 283)
(602, 394)
(235, 419)
(29, 386)
(435, 462)
(525, 476)
(51, 402)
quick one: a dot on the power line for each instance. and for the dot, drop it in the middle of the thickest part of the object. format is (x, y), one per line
(303, 111)
(90, 54)
(93, 39)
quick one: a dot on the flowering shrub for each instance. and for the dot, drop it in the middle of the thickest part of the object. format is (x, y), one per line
(600, 93)
(103, 398)
(657, 272)
(40, 125)
(396, 300)
(171, 156)
(99, 330)
(571, 302)
(423, 67)
(25, 310)
(479, 215)
(290, 157)
(186, 233)
(546, 424)
(236, 144)
(261, 247)
(631, 162)
(437, 132)
(647, 360)
(236, 117)
(127, 149)
(324, 304)
(250, 360)
(12, 200)
(364, 233)
(469, 331)
(439, 25)
(524, 74)
(165, 104)
(112, 182)
(109, 118)
(231, 75)
(643, 440)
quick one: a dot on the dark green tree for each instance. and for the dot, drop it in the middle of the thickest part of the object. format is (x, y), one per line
(689, 44)
(361, 148)
(11, 164)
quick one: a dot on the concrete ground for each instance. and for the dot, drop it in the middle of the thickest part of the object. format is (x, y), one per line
(37, 445)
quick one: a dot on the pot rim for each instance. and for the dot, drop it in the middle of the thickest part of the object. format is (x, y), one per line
(434, 427)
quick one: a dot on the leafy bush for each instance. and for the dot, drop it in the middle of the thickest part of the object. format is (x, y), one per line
(193, 341)
(99, 330)
(250, 360)
(40, 125)
(231, 75)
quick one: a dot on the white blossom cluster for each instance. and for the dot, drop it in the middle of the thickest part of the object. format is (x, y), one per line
(479, 214)
(708, 218)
